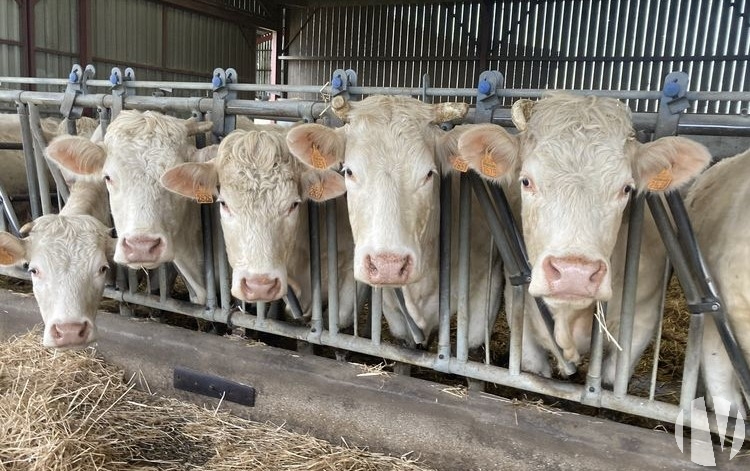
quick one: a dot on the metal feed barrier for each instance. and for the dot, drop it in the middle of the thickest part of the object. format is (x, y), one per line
(450, 356)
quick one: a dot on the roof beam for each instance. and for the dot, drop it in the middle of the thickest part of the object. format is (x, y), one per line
(217, 9)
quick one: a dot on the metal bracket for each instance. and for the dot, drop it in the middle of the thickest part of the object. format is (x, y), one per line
(341, 80)
(488, 98)
(213, 386)
(673, 103)
(76, 86)
(119, 90)
(223, 123)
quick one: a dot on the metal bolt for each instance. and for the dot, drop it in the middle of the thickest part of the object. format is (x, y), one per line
(592, 389)
(441, 356)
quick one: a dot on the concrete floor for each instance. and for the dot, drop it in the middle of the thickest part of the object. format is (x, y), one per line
(392, 414)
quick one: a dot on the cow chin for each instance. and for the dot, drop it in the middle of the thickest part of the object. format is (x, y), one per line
(568, 302)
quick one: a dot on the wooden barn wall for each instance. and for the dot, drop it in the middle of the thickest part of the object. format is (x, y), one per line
(10, 38)
(562, 44)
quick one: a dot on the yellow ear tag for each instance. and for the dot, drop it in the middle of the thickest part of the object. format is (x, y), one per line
(316, 191)
(203, 196)
(318, 161)
(661, 181)
(5, 257)
(460, 164)
(489, 167)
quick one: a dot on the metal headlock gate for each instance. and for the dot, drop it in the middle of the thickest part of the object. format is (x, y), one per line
(450, 357)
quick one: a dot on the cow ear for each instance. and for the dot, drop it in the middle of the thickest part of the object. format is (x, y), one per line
(446, 150)
(489, 149)
(204, 154)
(668, 163)
(77, 154)
(12, 249)
(316, 145)
(192, 180)
(322, 185)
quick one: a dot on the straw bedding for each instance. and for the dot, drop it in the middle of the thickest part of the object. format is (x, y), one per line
(71, 411)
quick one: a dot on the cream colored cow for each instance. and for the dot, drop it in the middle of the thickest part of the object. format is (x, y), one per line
(67, 257)
(153, 225)
(393, 154)
(719, 208)
(262, 190)
(569, 174)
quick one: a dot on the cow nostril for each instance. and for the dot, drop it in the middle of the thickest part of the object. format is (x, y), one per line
(598, 274)
(82, 331)
(552, 271)
(406, 267)
(372, 269)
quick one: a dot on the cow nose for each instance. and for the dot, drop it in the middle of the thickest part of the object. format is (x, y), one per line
(573, 276)
(388, 268)
(142, 248)
(261, 288)
(70, 334)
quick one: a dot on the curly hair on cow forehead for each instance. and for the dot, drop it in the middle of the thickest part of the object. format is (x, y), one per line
(147, 125)
(559, 113)
(256, 150)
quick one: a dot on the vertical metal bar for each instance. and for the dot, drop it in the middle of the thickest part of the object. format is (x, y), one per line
(376, 309)
(208, 255)
(516, 328)
(630, 285)
(220, 256)
(260, 312)
(333, 267)
(38, 145)
(657, 341)
(592, 393)
(28, 152)
(163, 288)
(444, 306)
(317, 299)
(464, 220)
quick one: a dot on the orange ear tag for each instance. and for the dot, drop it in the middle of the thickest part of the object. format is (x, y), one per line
(316, 192)
(460, 164)
(661, 181)
(203, 196)
(489, 167)
(318, 161)
(5, 257)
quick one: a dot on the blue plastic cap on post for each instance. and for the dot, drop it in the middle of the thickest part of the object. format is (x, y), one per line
(114, 79)
(73, 77)
(337, 82)
(485, 87)
(672, 89)
(216, 81)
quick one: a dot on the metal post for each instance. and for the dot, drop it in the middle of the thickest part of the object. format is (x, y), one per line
(333, 267)
(208, 255)
(38, 145)
(629, 289)
(316, 323)
(28, 152)
(444, 306)
(376, 308)
(464, 250)
(592, 392)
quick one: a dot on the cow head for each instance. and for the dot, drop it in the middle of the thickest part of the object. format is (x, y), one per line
(576, 164)
(260, 188)
(390, 152)
(136, 150)
(67, 259)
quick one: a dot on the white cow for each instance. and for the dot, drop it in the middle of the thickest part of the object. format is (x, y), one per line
(67, 256)
(719, 208)
(262, 189)
(569, 175)
(154, 226)
(393, 153)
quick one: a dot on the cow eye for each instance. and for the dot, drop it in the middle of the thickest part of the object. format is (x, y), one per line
(107, 179)
(293, 206)
(103, 269)
(33, 271)
(526, 182)
(430, 174)
(627, 189)
(347, 171)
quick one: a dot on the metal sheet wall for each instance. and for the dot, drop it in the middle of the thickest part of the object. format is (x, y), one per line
(560, 44)
(55, 38)
(10, 36)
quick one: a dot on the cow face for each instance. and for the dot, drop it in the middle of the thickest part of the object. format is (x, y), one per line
(67, 259)
(390, 152)
(576, 164)
(260, 188)
(136, 150)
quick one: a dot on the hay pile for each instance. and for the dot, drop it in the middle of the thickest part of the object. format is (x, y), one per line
(71, 411)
